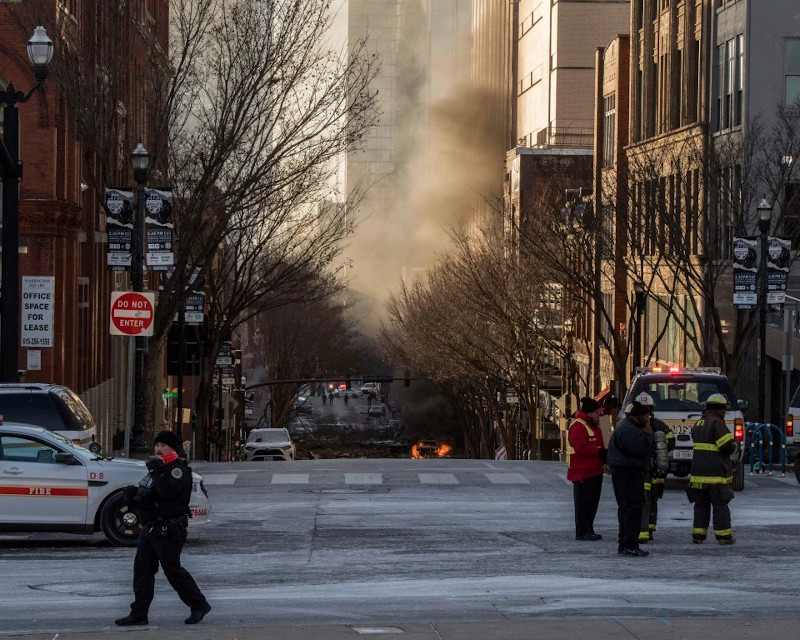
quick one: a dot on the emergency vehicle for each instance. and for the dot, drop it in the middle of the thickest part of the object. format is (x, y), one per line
(679, 394)
(49, 483)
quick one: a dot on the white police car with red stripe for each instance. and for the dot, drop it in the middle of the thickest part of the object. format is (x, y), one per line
(49, 483)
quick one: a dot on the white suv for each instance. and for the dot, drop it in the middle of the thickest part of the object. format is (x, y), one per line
(792, 441)
(269, 444)
(679, 394)
(49, 483)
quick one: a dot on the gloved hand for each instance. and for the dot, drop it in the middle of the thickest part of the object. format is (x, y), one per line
(130, 493)
(154, 463)
(602, 453)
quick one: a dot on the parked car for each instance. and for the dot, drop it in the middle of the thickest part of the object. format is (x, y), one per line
(50, 406)
(269, 444)
(367, 388)
(792, 441)
(377, 410)
(49, 483)
(303, 405)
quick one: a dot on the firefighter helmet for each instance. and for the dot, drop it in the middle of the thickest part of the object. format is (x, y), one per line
(716, 399)
(646, 399)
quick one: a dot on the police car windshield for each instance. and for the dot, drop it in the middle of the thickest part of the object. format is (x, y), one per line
(681, 392)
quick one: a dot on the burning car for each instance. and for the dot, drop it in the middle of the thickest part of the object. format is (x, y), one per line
(430, 449)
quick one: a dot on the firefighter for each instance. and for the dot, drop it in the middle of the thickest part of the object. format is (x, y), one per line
(712, 472)
(586, 454)
(654, 478)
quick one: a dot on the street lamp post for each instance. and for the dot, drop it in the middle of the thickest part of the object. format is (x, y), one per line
(568, 381)
(764, 220)
(40, 52)
(140, 161)
(638, 290)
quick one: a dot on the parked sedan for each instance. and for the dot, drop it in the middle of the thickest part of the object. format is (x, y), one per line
(49, 483)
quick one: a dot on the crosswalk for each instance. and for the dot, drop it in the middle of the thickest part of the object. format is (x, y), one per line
(437, 478)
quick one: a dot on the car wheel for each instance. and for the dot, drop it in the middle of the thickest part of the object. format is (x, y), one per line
(738, 474)
(797, 468)
(120, 523)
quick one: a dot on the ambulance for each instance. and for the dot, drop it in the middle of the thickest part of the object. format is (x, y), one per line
(679, 394)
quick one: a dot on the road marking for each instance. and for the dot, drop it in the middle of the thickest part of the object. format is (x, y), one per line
(437, 478)
(289, 478)
(507, 478)
(376, 630)
(363, 478)
(220, 478)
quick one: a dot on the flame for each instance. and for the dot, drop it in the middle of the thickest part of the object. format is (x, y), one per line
(440, 452)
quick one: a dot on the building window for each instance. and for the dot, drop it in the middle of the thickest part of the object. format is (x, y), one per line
(609, 129)
(730, 89)
(792, 72)
(737, 118)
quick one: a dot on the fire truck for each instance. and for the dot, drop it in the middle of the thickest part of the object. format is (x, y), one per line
(679, 394)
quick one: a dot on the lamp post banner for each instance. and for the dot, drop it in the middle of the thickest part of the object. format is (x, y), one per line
(119, 226)
(778, 259)
(745, 270)
(160, 225)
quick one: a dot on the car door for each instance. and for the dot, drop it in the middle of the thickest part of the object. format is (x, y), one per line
(35, 489)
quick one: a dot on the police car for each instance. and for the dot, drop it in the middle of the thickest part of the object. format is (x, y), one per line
(49, 483)
(679, 394)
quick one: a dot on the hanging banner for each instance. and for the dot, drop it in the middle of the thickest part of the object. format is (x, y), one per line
(778, 259)
(119, 227)
(745, 271)
(158, 205)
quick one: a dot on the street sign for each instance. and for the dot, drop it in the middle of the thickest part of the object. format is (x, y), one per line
(132, 313)
(169, 395)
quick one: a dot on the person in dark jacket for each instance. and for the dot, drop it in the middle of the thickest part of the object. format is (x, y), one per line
(162, 502)
(629, 459)
(712, 472)
(586, 454)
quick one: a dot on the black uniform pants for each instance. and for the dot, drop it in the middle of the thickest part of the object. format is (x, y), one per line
(704, 500)
(586, 496)
(629, 492)
(653, 492)
(154, 548)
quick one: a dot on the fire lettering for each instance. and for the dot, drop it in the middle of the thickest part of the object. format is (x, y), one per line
(39, 491)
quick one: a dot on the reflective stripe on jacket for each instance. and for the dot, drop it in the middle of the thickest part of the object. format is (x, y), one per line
(711, 457)
(584, 441)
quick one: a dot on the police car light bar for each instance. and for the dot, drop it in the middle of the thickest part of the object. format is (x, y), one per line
(677, 369)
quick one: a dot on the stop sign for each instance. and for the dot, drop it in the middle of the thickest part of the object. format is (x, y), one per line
(132, 313)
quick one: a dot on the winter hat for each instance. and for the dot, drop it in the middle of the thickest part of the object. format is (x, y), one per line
(168, 438)
(589, 405)
(638, 409)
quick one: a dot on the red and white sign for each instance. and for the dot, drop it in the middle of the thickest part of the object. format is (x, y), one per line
(132, 313)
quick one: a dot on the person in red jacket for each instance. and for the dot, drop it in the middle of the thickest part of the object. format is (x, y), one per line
(586, 454)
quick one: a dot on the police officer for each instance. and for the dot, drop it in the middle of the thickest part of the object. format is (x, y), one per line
(629, 459)
(712, 472)
(654, 478)
(162, 501)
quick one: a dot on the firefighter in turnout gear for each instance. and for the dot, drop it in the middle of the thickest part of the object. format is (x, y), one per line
(655, 476)
(712, 472)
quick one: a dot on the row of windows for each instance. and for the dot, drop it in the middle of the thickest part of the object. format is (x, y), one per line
(530, 20)
(609, 129)
(530, 79)
(730, 83)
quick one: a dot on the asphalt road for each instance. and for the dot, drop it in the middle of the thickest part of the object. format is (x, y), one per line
(416, 542)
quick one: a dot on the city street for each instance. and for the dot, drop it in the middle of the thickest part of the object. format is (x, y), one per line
(354, 543)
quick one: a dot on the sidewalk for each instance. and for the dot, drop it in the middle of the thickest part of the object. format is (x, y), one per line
(711, 628)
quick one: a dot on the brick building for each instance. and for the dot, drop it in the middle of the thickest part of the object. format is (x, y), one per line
(62, 222)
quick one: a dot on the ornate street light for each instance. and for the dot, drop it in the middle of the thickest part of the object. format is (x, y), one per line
(764, 221)
(40, 51)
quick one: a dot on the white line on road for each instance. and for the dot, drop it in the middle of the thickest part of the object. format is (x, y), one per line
(437, 478)
(363, 478)
(220, 478)
(507, 478)
(289, 478)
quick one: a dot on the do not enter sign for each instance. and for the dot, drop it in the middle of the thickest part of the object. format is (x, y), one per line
(132, 313)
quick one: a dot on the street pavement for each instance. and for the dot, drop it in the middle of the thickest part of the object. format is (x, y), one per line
(440, 549)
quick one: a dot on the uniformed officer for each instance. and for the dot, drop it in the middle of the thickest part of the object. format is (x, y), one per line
(654, 478)
(162, 501)
(712, 472)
